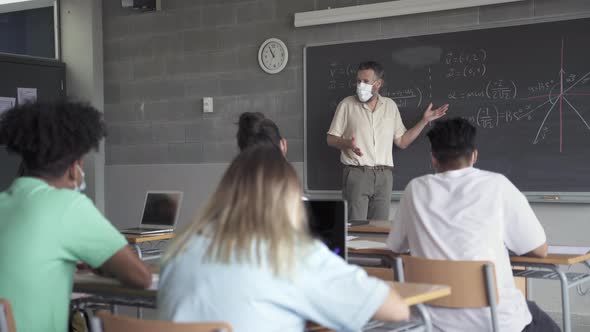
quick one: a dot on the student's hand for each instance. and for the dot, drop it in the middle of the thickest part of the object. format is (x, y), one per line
(352, 145)
(433, 114)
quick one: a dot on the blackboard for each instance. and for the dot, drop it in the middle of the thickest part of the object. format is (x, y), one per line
(526, 89)
(47, 76)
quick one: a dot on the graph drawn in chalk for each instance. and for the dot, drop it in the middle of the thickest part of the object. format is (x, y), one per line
(558, 98)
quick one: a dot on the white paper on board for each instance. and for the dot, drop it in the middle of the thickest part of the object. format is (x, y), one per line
(6, 103)
(26, 95)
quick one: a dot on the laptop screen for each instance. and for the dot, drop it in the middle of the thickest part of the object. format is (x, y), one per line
(327, 222)
(161, 208)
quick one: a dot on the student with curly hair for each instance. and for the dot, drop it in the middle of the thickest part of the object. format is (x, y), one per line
(46, 225)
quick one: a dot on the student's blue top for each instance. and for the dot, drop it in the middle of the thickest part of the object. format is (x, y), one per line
(323, 289)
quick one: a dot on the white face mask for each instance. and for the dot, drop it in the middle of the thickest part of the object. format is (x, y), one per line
(82, 186)
(364, 91)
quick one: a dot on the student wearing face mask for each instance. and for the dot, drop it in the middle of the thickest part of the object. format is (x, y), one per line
(46, 224)
(364, 129)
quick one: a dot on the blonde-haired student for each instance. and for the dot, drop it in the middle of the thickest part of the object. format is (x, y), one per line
(249, 260)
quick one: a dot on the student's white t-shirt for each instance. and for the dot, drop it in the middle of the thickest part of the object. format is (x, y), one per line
(469, 214)
(323, 289)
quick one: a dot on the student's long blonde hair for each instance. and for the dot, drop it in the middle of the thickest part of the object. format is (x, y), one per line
(257, 208)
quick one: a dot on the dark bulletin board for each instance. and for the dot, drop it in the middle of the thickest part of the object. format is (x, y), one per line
(47, 76)
(526, 89)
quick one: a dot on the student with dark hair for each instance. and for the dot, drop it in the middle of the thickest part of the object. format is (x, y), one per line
(463, 213)
(46, 225)
(364, 129)
(255, 129)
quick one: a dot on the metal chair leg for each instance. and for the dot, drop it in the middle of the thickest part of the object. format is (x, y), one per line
(425, 317)
(490, 290)
(399, 269)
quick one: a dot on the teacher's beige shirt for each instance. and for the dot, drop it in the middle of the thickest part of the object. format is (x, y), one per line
(374, 131)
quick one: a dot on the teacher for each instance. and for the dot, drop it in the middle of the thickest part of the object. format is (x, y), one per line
(364, 129)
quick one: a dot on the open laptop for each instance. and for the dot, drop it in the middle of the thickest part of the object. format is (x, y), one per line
(327, 222)
(160, 213)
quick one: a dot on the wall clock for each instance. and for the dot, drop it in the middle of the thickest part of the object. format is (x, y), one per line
(273, 55)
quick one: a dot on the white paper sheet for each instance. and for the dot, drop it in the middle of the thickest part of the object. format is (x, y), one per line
(365, 244)
(6, 103)
(568, 250)
(26, 95)
(351, 237)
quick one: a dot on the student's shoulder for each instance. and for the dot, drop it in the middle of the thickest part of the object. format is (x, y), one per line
(494, 177)
(420, 181)
(68, 201)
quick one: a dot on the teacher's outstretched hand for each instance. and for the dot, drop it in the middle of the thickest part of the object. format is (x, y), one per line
(433, 114)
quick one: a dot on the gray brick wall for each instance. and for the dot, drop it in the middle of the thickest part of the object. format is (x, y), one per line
(159, 66)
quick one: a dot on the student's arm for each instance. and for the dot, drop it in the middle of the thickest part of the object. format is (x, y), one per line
(126, 267)
(393, 309)
(341, 296)
(539, 252)
(88, 237)
(523, 233)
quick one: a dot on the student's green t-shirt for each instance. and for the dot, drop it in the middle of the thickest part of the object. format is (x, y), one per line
(44, 231)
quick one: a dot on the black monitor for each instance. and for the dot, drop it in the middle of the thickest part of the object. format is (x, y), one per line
(328, 223)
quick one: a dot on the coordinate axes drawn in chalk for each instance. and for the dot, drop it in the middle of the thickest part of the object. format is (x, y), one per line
(555, 99)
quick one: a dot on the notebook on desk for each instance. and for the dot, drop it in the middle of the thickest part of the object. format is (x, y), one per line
(568, 250)
(353, 223)
(160, 213)
(327, 222)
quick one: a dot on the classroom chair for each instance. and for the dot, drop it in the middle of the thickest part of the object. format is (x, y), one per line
(381, 273)
(473, 283)
(6, 318)
(104, 321)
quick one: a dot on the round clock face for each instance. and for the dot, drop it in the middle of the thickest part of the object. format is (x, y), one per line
(273, 56)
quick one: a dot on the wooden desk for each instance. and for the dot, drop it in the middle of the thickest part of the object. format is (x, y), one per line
(90, 283)
(136, 240)
(548, 269)
(111, 291)
(374, 226)
(558, 259)
(388, 257)
(412, 294)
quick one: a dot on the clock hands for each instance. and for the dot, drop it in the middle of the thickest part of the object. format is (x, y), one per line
(271, 52)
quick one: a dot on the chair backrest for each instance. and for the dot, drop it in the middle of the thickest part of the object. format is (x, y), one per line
(467, 280)
(106, 322)
(380, 272)
(7, 323)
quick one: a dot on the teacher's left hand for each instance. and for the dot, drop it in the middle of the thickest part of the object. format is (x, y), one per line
(433, 114)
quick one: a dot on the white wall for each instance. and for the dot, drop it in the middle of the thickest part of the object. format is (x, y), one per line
(81, 50)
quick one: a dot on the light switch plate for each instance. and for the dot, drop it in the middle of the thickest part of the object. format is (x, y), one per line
(208, 105)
